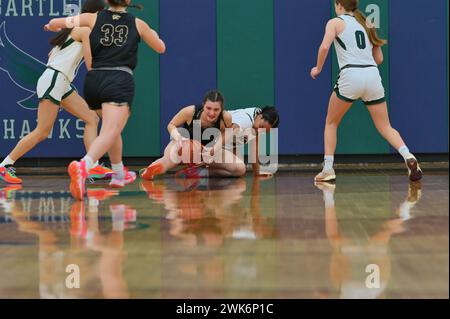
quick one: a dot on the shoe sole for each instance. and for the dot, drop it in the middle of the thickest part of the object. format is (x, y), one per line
(76, 189)
(330, 178)
(114, 185)
(127, 182)
(18, 182)
(101, 176)
(415, 173)
(9, 182)
(151, 172)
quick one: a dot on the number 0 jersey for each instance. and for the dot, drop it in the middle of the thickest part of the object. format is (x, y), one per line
(353, 46)
(114, 40)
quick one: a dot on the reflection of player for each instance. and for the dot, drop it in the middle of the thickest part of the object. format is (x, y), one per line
(6, 197)
(350, 257)
(206, 217)
(209, 210)
(52, 259)
(102, 274)
(111, 249)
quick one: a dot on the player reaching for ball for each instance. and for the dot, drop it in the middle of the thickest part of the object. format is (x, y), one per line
(358, 49)
(251, 122)
(208, 121)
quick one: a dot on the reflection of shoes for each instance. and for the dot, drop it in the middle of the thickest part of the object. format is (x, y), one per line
(78, 175)
(96, 195)
(8, 175)
(119, 182)
(100, 172)
(325, 186)
(328, 192)
(101, 193)
(326, 176)
(414, 171)
(154, 192)
(151, 171)
(414, 192)
(78, 225)
(121, 216)
(6, 192)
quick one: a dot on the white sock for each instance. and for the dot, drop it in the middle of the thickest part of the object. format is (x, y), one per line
(118, 170)
(404, 152)
(96, 164)
(328, 198)
(405, 213)
(89, 162)
(118, 217)
(7, 161)
(329, 161)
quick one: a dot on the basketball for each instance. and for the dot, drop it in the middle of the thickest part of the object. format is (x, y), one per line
(190, 152)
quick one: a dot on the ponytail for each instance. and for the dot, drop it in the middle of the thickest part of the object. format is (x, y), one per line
(352, 6)
(371, 31)
(60, 38)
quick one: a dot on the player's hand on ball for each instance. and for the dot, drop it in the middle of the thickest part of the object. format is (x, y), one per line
(315, 72)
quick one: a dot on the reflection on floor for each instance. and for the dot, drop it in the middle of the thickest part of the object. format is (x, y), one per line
(367, 236)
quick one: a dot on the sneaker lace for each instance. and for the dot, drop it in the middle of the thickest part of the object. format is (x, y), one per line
(11, 171)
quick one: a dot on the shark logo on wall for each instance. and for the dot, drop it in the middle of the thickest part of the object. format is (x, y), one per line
(23, 69)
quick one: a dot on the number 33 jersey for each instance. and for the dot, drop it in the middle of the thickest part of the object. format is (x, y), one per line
(114, 40)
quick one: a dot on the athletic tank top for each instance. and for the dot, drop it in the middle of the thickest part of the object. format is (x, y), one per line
(114, 40)
(245, 118)
(353, 47)
(190, 126)
(66, 58)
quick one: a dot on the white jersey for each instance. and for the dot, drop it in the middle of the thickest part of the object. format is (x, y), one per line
(245, 118)
(66, 58)
(353, 46)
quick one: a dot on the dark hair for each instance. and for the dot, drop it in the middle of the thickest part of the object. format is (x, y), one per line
(89, 6)
(214, 96)
(123, 3)
(270, 114)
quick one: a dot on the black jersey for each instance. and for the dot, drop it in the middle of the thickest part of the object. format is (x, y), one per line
(190, 126)
(114, 40)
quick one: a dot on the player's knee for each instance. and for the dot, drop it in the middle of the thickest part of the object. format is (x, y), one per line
(42, 133)
(330, 121)
(239, 170)
(115, 131)
(93, 119)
